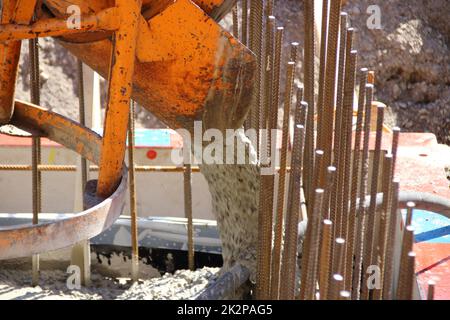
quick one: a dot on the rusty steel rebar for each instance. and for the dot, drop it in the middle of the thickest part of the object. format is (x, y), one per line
(35, 148)
(235, 21)
(267, 183)
(373, 213)
(295, 46)
(265, 222)
(431, 290)
(345, 295)
(133, 198)
(269, 74)
(388, 275)
(394, 150)
(311, 249)
(330, 88)
(407, 247)
(319, 156)
(257, 46)
(353, 216)
(309, 62)
(187, 178)
(73, 168)
(364, 176)
(338, 259)
(328, 190)
(349, 93)
(344, 146)
(322, 68)
(303, 105)
(278, 233)
(336, 285)
(325, 258)
(244, 24)
(287, 291)
(380, 251)
(407, 277)
(338, 154)
(409, 213)
(82, 119)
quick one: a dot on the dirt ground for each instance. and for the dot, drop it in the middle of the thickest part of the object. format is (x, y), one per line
(410, 55)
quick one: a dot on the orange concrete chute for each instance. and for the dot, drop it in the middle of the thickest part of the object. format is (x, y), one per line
(188, 68)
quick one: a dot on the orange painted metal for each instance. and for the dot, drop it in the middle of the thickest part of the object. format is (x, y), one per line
(119, 93)
(105, 20)
(189, 68)
(10, 53)
(26, 240)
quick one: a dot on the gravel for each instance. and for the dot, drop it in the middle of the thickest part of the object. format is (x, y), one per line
(108, 282)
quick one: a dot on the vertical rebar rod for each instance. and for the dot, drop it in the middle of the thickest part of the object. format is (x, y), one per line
(336, 199)
(82, 118)
(309, 62)
(330, 86)
(311, 250)
(338, 260)
(188, 210)
(345, 295)
(269, 73)
(235, 21)
(362, 211)
(390, 244)
(431, 290)
(407, 247)
(265, 222)
(244, 28)
(256, 43)
(267, 182)
(287, 291)
(294, 51)
(276, 256)
(133, 199)
(325, 258)
(353, 216)
(406, 287)
(336, 285)
(322, 69)
(373, 212)
(36, 148)
(344, 145)
(349, 93)
(384, 222)
(328, 190)
(277, 76)
(409, 213)
(394, 150)
(306, 260)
